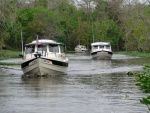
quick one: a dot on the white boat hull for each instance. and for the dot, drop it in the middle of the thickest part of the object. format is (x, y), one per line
(80, 50)
(101, 55)
(42, 66)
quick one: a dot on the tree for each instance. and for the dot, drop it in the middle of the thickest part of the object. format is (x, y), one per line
(136, 25)
(7, 20)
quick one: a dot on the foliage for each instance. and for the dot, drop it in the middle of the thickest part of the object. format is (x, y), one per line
(6, 54)
(143, 82)
(124, 26)
(136, 27)
(135, 53)
(7, 19)
(146, 101)
(143, 79)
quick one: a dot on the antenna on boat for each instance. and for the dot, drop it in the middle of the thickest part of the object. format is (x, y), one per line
(93, 32)
(37, 42)
(79, 41)
(22, 42)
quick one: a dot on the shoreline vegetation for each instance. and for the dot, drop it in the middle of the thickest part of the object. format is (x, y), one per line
(142, 78)
(7, 54)
(143, 83)
(73, 22)
(134, 53)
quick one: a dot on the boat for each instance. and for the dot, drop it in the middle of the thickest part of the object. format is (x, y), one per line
(101, 50)
(80, 49)
(44, 57)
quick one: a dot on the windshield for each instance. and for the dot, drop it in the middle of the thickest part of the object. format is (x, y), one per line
(101, 47)
(107, 46)
(41, 48)
(54, 48)
(29, 49)
(62, 48)
(95, 47)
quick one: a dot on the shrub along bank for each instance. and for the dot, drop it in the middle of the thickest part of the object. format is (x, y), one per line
(143, 82)
(6, 54)
(134, 53)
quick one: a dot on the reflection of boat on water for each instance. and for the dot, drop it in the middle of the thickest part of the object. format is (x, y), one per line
(101, 50)
(44, 57)
(80, 49)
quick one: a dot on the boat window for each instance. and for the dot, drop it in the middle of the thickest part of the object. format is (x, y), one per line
(83, 47)
(53, 48)
(95, 47)
(62, 48)
(41, 48)
(101, 47)
(79, 46)
(29, 49)
(107, 46)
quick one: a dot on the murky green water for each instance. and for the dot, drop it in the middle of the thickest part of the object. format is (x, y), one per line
(90, 86)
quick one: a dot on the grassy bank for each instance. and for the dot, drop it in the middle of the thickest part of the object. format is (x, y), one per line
(6, 54)
(135, 53)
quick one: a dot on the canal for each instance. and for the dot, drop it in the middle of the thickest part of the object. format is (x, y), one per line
(90, 86)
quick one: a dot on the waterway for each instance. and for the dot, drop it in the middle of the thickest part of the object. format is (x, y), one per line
(90, 86)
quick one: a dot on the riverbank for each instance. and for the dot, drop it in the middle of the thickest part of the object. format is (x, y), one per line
(7, 54)
(134, 53)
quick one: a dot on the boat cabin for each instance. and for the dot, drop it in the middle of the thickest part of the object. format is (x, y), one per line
(80, 46)
(44, 48)
(101, 46)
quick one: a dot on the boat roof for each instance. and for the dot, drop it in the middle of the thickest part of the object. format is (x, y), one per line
(100, 43)
(44, 41)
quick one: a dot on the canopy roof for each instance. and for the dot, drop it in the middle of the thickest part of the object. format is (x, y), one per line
(44, 42)
(100, 43)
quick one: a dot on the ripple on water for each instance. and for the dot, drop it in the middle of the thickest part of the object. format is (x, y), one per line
(91, 86)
